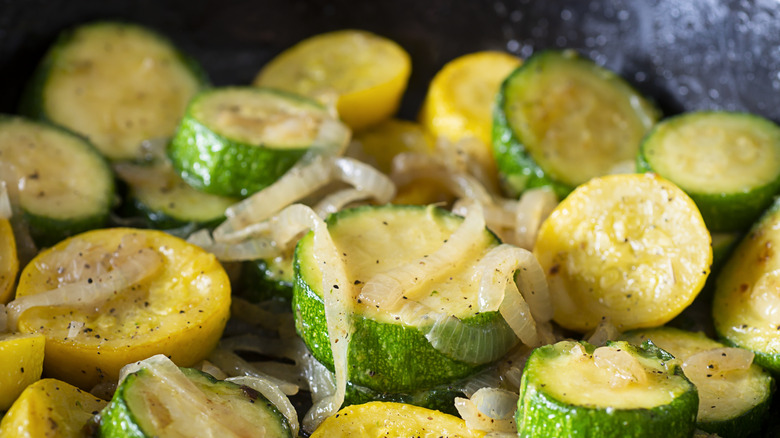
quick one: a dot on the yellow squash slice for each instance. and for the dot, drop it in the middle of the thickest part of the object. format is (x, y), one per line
(50, 408)
(9, 263)
(632, 248)
(362, 74)
(21, 364)
(164, 296)
(386, 419)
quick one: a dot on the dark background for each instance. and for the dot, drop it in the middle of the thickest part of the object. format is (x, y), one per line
(702, 54)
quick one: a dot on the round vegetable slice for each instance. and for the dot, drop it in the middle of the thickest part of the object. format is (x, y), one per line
(746, 304)
(21, 364)
(362, 74)
(561, 120)
(632, 248)
(380, 419)
(572, 389)
(460, 97)
(729, 163)
(116, 83)
(64, 186)
(9, 262)
(235, 141)
(382, 142)
(50, 408)
(109, 297)
(385, 354)
(162, 400)
(734, 393)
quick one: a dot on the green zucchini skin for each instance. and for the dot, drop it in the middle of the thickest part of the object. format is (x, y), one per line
(119, 421)
(722, 212)
(518, 169)
(47, 230)
(214, 163)
(750, 260)
(682, 344)
(540, 414)
(33, 101)
(261, 281)
(385, 357)
(440, 398)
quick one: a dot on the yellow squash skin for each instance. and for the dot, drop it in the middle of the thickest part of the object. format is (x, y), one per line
(362, 74)
(386, 419)
(632, 248)
(179, 311)
(50, 408)
(9, 262)
(21, 364)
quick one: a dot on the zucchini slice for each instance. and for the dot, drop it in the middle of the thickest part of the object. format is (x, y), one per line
(387, 419)
(632, 248)
(746, 304)
(728, 163)
(561, 120)
(572, 389)
(166, 202)
(116, 83)
(734, 395)
(65, 186)
(268, 279)
(384, 354)
(9, 261)
(109, 297)
(162, 400)
(235, 141)
(362, 74)
(51, 408)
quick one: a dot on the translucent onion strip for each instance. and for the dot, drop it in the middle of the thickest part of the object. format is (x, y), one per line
(131, 265)
(489, 410)
(605, 331)
(410, 166)
(622, 366)
(6, 212)
(338, 200)
(234, 365)
(534, 207)
(385, 290)
(250, 249)
(717, 361)
(274, 395)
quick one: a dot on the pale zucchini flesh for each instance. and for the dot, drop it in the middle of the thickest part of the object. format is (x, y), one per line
(118, 84)
(65, 186)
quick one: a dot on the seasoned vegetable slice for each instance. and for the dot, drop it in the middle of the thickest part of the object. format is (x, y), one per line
(158, 194)
(734, 393)
(573, 389)
(385, 354)
(109, 297)
(729, 163)
(362, 74)
(380, 419)
(632, 248)
(50, 408)
(116, 83)
(746, 304)
(235, 141)
(561, 120)
(64, 185)
(21, 364)
(162, 400)
(9, 262)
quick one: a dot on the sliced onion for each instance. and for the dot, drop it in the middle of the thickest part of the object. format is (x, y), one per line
(385, 290)
(131, 263)
(605, 331)
(717, 361)
(764, 298)
(338, 200)
(282, 371)
(518, 315)
(74, 327)
(622, 366)
(250, 249)
(234, 365)
(281, 322)
(249, 342)
(215, 371)
(485, 379)
(489, 410)
(534, 207)
(410, 166)
(139, 175)
(6, 212)
(274, 395)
